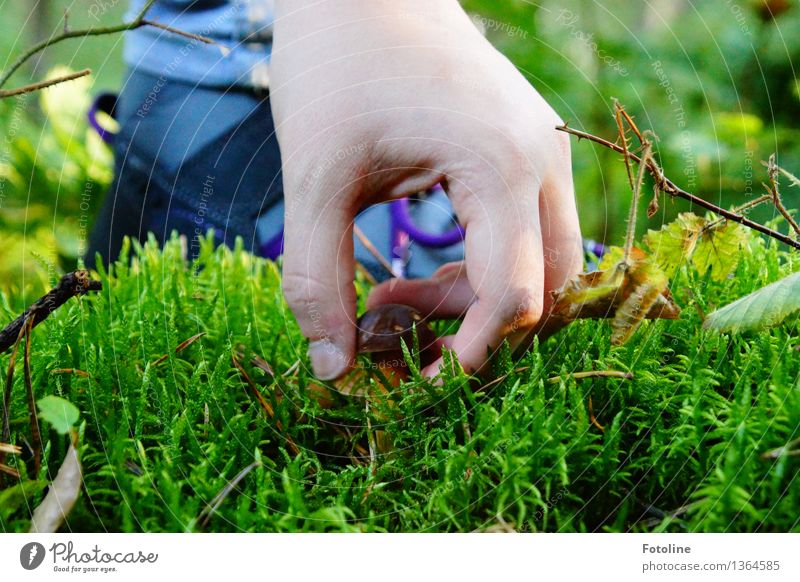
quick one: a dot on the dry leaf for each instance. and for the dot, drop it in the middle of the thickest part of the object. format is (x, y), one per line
(629, 292)
(61, 496)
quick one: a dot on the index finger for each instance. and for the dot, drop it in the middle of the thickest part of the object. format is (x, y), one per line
(504, 262)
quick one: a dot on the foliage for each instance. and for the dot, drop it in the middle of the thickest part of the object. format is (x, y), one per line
(702, 439)
(709, 245)
(629, 290)
(52, 175)
(682, 448)
(715, 81)
(61, 414)
(763, 308)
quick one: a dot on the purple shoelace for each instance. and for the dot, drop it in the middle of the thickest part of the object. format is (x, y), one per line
(105, 102)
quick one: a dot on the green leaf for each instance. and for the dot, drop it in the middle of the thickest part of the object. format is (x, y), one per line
(719, 250)
(675, 242)
(61, 414)
(764, 308)
(689, 238)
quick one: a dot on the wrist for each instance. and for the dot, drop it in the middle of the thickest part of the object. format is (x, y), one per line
(307, 16)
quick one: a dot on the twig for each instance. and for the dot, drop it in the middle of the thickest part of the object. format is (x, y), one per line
(637, 193)
(10, 471)
(10, 449)
(592, 417)
(137, 22)
(44, 84)
(98, 31)
(791, 177)
(71, 285)
(773, 189)
(618, 110)
(181, 346)
(197, 37)
(739, 209)
(654, 168)
(374, 251)
(36, 433)
(256, 361)
(789, 449)
(7, 393)
(632, 125)
(669, 187)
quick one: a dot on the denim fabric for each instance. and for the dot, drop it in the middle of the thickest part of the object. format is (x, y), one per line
(191, 160)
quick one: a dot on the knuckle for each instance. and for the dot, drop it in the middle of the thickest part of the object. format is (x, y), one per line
(523, 309)
(562, 149)
(303, 293)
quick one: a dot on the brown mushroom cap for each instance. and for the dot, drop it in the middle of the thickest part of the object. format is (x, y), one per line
(382, 329)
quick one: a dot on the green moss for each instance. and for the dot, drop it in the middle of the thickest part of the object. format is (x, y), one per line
(681, 450)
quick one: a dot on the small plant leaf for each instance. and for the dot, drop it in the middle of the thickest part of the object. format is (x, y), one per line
(61, 414)
(675, 242)
(719, 250)
(61, 496)
(764, 308)
(707, 245)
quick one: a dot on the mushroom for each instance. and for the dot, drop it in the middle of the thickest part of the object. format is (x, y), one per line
(382, 329)
(381, 332)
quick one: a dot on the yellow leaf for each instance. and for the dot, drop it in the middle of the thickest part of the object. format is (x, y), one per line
(719, 250)
(675, 242)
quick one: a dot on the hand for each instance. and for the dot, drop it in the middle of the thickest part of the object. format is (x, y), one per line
(375, 100)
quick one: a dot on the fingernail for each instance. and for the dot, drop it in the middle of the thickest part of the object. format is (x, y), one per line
(328, 361)
(432, 373)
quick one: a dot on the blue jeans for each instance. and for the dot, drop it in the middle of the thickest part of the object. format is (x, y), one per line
(192, 159)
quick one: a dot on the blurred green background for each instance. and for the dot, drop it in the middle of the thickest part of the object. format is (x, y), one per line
(714, 80)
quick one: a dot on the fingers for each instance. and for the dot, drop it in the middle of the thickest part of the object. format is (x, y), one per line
(561, 237)
(446, 295)
(318, 280)
(515, 269)
(504, 267)
(561, 231)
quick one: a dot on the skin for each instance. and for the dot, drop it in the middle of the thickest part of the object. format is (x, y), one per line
(376, 100)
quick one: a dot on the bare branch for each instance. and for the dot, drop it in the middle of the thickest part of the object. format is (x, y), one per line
(774, 190)
(138, 21)
(71, 285)
(96, 31)
(197, 37)
(637, 194)
(618, 110)
(672, 189)
(44, 84)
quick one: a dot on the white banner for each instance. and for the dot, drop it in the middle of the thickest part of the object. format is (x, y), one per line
(401, 557)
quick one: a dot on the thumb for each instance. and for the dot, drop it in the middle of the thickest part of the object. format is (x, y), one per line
(318, 271)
